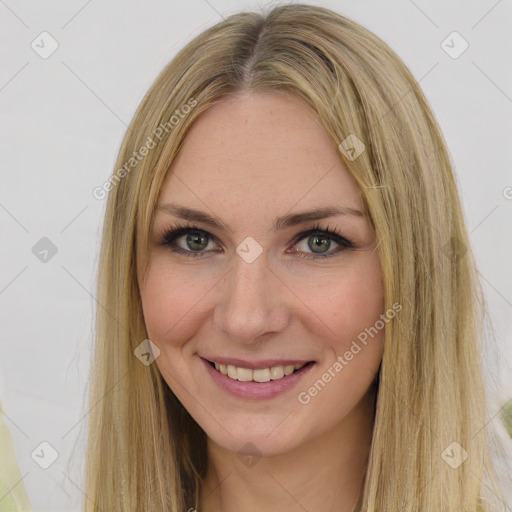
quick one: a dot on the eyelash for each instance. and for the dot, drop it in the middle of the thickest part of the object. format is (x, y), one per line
(178, 230)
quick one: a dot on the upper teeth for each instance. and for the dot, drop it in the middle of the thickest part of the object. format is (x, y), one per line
(260, 375)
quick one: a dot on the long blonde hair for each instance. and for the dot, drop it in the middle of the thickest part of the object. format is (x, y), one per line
(145, 452)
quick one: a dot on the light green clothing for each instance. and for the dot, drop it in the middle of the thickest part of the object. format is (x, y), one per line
(13, 497)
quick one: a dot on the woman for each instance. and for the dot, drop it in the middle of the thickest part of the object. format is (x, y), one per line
(290, 315)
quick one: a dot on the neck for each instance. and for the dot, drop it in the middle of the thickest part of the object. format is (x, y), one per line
(326, 473)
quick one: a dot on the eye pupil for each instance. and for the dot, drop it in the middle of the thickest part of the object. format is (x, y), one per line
(323, 241)
(194, 237)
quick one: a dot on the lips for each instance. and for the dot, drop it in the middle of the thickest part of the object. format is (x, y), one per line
(256, 383)
(262, 371)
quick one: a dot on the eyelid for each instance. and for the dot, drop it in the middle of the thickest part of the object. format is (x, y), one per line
(332, 234)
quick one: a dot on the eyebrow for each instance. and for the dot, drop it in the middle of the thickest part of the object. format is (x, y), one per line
(280, 223)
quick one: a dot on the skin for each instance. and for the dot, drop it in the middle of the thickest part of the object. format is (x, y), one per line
(247, 161)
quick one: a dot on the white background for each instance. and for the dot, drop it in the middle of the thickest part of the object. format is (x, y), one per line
(63, 121)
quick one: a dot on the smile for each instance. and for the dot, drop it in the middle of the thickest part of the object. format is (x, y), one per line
(257, 375)
(267, 379)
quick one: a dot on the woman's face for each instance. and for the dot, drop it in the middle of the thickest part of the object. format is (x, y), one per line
(249, 292)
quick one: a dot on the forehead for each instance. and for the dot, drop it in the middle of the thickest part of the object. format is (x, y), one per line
(265, 150)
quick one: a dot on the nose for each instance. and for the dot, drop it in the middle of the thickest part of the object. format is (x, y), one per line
(252, 301)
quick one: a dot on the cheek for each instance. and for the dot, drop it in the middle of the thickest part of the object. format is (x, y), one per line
(344, 302)
(361, 305)
(347, 305)
(359, 301)
(171, 305)
(351, 329)
(172, 309)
